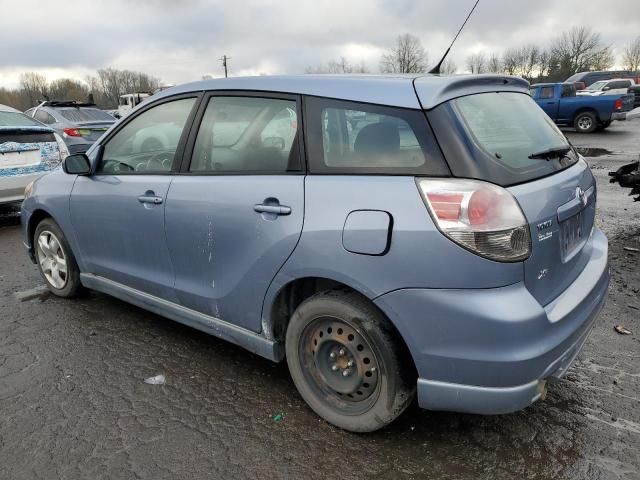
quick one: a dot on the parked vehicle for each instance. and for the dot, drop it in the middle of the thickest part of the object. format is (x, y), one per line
(635, 91)
(582, 112)
(584, 79)
(432, 234)
(130, 101)
(616, 86)
(28, 149)
(80, 124)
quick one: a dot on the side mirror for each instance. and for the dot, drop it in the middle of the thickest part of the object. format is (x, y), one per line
(77, 164)
(606, 88)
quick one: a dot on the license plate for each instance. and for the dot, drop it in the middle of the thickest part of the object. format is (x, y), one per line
(26, 158)
(572, 233)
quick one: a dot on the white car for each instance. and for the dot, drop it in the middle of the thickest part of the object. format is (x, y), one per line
(608, 87)
(28, 150)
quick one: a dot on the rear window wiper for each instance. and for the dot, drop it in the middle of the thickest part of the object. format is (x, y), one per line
(551, 153)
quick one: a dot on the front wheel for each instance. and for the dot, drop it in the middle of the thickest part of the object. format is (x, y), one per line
(55, 259)
(585, 122)
(347, 363)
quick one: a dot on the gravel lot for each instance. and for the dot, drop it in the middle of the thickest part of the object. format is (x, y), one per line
(73, 403)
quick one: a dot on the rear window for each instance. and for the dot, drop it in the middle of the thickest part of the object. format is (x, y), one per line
(505, 129)
(16, 119)
(77, 115)
(348, 137)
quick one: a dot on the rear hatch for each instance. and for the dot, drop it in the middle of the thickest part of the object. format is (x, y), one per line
(90, 122)
(504, 138)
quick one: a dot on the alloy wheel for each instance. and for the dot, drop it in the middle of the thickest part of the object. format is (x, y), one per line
(52, 259)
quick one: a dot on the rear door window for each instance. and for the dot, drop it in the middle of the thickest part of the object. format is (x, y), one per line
(348, 137)
(44, 117)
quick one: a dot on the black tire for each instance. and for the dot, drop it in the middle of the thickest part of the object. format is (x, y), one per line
(379, 384)
(585, 122)
(71, 286)
(603, 126)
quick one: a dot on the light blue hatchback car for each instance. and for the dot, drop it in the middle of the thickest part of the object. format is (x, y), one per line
(387, 235)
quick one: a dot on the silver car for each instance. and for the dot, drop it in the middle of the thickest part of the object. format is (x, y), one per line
(79, 124)
(28, 150)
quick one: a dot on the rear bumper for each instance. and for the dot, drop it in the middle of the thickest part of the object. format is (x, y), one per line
(619, 116)
(12, 187)
(491, 351)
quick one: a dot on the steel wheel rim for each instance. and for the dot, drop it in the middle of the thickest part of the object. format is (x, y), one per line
(584, 123)
(52, 260)
(339, 364)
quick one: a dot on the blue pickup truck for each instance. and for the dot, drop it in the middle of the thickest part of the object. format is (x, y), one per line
(585, 113)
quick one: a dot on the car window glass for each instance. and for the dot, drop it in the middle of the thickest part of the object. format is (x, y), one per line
(532, 92)
(148, 142)
(546, 92)
(247, 134)
(16, 119)
(568, 90)
(85, 115)
(44, 117)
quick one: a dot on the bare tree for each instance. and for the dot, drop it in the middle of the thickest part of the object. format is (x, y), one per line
(34, 87)
(494, 64)
(407, 56)
(631, 55)
(68, 89)
(110, 83)
(448, 67)
(580, 49)
(477, 63)
(342, 65)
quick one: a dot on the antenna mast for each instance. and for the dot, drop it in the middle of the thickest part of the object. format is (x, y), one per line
(436, 70)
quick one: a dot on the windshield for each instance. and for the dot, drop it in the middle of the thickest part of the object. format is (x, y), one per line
(16, 119)
(515, 140)
(597, 85)
(86, 115)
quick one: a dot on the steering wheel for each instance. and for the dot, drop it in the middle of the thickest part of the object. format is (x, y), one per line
(115, 166)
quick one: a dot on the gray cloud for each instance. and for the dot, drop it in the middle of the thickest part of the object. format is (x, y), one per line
(182, 40)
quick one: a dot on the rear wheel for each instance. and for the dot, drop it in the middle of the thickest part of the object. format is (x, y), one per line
(585, 122)
(55, 259)
(347, 363)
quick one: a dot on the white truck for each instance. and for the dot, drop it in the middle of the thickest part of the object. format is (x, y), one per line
(130, 100)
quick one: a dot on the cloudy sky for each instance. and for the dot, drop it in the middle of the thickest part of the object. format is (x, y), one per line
(181, 40)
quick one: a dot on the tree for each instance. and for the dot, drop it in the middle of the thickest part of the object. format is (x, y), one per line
(342, 65)
(110, 83)
(477, 63)
(448, 67)
(577, 50)
(631, 55)
(34, 87)
(68, 89)
(494, 65)
(407, 56)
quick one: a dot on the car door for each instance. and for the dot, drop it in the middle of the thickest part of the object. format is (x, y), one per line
(118, 211)
(235, 213)
(548, 101)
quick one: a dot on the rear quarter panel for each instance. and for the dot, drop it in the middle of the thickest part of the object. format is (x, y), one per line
(419, 256)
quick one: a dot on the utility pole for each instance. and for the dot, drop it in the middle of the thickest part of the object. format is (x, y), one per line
(224, 59)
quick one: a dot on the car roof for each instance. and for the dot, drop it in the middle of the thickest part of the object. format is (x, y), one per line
(416, 91)
(7, 108)
(551, 84)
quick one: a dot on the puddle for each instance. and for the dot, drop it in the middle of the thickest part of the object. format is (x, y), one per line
(594, 151)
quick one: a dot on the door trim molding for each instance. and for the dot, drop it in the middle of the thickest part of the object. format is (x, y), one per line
(247, 339)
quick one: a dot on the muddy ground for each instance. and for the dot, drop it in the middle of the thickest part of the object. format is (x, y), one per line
(73, 403)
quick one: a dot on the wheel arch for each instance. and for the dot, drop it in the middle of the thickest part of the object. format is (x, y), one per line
(585, 110)
(277, 311)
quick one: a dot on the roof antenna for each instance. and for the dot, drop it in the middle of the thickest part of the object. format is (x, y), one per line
(436, 70)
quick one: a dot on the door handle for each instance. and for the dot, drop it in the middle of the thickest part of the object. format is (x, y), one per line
(275, 209)
(155, 200)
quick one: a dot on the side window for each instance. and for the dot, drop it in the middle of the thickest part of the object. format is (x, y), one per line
(44, 117)
(568, 91)
(546, 92)
(247, 134)
(30, 112)
(148, 143)
(348, 137)
(532, 92)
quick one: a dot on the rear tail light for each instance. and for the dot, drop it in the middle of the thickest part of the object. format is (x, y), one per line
(478, 216)
(618, 104)
(62, 147)
(72, 132)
